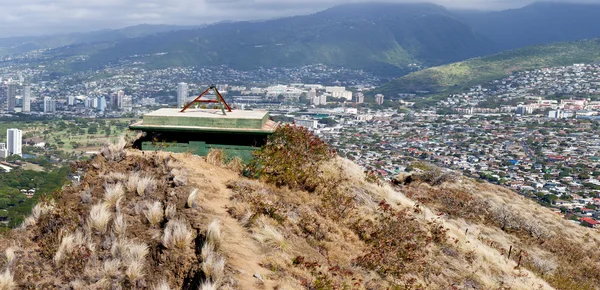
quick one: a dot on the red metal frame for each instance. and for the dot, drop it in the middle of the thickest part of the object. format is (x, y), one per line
(219, 100)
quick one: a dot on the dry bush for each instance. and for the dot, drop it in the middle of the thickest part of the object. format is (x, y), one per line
(129, 251)
(100, 215)
(113, 193)
(506, 217)
(145, 184)
(394, 230)
(213, 234)
(192, 200)
(236, 164)
(38, 210)
(177, 234)
(114, 151)
(455, 202)
(544, 266)
(119, 225)
(291, 156)
(434, 175)
(215, 157)
(7, 281)
(154, 213)
(170, 211)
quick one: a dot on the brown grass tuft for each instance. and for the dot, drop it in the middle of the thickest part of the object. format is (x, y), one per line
(215, 157)
(177, 234)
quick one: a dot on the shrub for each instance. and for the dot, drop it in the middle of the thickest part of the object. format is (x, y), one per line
(132, 181)
(177, 234)
(162, 285)
(38, 210)
(236, 164)
(111, 268)
(135, 270)
(397, 243)
(213, 264)
(114, 151)
(68, 245)
(170, 211)
(290, 157)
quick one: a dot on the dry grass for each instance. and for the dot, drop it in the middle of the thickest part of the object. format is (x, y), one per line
(177, 234)
(215, 157)
(170, 211)
(154, 213)
(114, 151)
(119, 225)
(115, 176)
(111, 268)
(236, 164)
(192, 200)
(11, 256)
(68, 245)
(207, 285)
(135, 270)
(132, 181)
(7, 281)
(100, 216)
(213, 264)
(162, 285)
(38, 210)
(145, 185)
(213, 234)
(113, 193)
(268, 235)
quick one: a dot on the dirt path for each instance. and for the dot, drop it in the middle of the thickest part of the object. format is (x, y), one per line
(243, 253)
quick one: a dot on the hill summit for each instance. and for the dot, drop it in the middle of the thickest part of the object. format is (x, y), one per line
(156, 220)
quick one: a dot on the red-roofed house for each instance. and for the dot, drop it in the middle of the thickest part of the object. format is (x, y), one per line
(590, 222)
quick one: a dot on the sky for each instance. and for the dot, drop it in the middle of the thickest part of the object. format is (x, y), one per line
(43, 17)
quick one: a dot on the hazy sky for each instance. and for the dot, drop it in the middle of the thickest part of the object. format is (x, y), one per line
(39, 17)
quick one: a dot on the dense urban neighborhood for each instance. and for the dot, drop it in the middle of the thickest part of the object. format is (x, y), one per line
(533, 131)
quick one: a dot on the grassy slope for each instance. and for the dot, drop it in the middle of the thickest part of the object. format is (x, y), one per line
(293, 239)
(462, 75)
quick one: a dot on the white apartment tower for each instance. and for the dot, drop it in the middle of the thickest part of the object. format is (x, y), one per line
(182, 94)
(26, 99)
(3, 151)
(14, 141)
(49, 105)
(379, 99)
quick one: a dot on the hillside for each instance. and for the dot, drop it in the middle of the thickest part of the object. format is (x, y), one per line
(537, 23)
(378, 37)
(174, 221)
(476, 71)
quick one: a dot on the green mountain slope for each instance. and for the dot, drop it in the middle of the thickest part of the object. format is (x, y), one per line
(462, 75)
(386, 38)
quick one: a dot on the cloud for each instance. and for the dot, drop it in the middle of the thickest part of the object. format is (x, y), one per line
(40, 17)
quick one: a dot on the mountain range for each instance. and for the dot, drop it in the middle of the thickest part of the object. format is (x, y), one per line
(383, 38)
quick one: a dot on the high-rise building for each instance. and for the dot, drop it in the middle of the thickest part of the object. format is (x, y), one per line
(126, 103)
(182, 94)
(49, 105)
(3, 151)
(26, 98)
(379, 99)
(359, 98)
(71, 100)
(14, 141)
(8, 96)
(101, 104)
(11, 97)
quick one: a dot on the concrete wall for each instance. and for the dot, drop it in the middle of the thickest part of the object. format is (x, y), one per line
(202, 149)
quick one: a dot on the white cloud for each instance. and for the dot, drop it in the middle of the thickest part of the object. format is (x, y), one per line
(38, 17)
